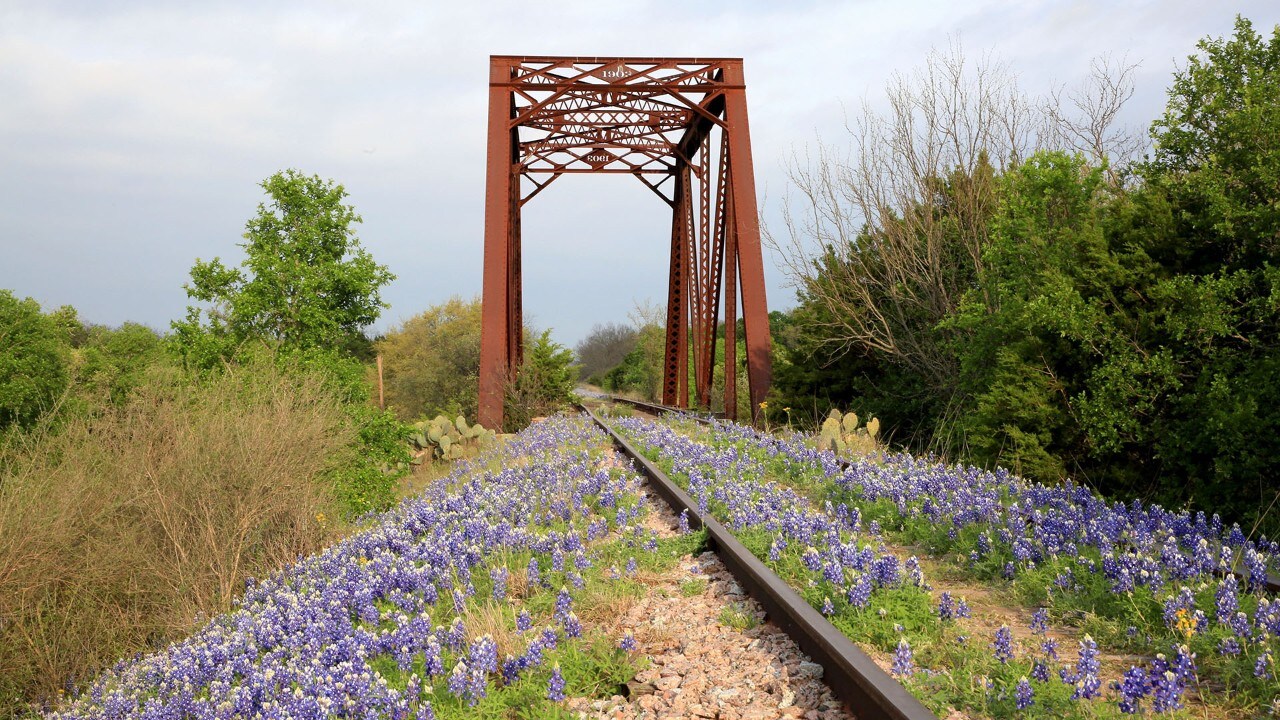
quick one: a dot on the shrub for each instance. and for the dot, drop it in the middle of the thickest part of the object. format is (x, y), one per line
(544, 384)
(431, 362)
(33, 365)
(120, 530)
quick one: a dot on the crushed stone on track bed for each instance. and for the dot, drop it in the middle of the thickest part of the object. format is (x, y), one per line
(701, 667)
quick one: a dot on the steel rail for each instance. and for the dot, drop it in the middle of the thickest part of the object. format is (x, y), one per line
(658, 409)
(869, 692)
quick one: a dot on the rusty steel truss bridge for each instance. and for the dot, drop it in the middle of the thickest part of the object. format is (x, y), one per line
(678, 125)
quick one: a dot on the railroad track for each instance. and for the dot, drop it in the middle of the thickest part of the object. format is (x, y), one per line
(656, 409)
(869, 692)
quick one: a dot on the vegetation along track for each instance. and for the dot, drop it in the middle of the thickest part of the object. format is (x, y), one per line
(889, 546)
(869, 691)
(537, 580)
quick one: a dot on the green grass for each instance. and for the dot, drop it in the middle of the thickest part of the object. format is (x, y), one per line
(738, 616)
(689, 587)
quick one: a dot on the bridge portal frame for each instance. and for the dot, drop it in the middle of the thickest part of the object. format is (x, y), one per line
(659, 120)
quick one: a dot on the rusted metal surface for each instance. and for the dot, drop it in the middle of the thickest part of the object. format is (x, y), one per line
(869, 692)
(679, 125)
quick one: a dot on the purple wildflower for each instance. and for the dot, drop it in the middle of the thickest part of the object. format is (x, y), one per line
(1133, 686)
(1003, 645)
(555, 685)
(902, 663)
(1023, 694)
(1040, 621)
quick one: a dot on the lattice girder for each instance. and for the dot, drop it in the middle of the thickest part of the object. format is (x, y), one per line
(679, 125)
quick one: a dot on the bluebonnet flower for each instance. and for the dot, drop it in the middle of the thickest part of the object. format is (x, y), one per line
(684, 521)
(564, 603)
(628, 643)
(458, 679)
(523, 620)
(902, 662)
(1040, 621)
(483, 654)
(1262, 668)
(510, 670)
(555, 685)
(914, 574)
(1166, 686)
(1049, 647)
(1226, 599)
(631, 566)
(1024, 695)
(572, 628)
(962, 609)
(533, 654)
(1085, 678)
(457, 637)
(499, 577)
(811, 559)
(1003, 645)
(432, 662)
(532, 573)
(549, 639)
(859, 594)
(946, 607)
(1132, 687)
(1229, 646)
(1040, 671)
(827, 608)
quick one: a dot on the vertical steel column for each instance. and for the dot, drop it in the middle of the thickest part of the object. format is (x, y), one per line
(750, 259)
(675, 352)
(496, 320)
(730, 313)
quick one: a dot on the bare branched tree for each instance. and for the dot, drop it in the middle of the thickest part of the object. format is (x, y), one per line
(885, 238)
(604, 347)
(1090, 125)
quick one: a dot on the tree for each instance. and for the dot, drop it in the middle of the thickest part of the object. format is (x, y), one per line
(431, 362)
(33, 365)
(886, 239)
(604, 348)
(306, 282)
(544, 383)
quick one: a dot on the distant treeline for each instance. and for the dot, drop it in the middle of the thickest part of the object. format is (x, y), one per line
(1017, 282)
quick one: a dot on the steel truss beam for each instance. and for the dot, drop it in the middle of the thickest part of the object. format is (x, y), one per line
(679, 125)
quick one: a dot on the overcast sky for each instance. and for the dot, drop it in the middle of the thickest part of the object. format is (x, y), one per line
(134, 133)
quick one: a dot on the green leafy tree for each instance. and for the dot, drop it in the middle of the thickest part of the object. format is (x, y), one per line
(431, 362)
(34, 361)
(1210, 216)
(114, 361)
(544, 383)
(306, 282)
(1217, 153)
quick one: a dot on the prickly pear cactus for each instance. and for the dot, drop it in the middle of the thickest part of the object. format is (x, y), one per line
(841, 435)
(445, 439)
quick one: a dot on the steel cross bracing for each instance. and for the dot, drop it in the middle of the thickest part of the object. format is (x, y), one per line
(679, 125)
